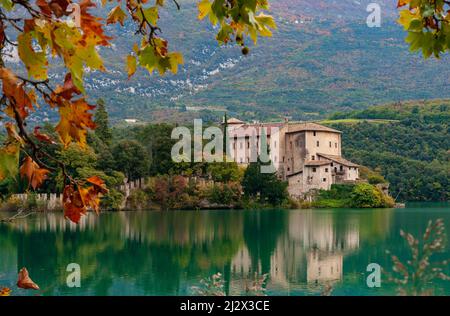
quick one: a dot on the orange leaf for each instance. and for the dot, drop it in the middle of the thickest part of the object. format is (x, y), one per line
(402, 3)
(15, 93)
(31, 170)
(98, 183)
(42, 137)
(77, 202)
(6, 291)
(73, 204)
(25, 282)
(75, 120)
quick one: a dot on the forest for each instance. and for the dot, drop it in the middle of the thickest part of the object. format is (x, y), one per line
(407, 142)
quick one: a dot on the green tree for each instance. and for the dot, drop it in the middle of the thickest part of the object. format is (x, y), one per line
(101, 121)
(132, 159)
(265, 187)
(225, 171)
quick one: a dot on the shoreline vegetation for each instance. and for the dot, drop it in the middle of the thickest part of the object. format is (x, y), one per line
(403, 145)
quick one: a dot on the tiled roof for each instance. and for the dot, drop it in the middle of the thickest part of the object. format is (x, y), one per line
(235, 121)
(248, 129)
(308, 126)
(317, 163)
(339, 160)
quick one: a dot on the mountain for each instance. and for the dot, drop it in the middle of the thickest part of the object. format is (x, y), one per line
(323, 58)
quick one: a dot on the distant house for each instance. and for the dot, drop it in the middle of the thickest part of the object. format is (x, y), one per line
(307, 155)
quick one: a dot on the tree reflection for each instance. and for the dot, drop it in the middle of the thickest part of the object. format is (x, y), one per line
(165, 253)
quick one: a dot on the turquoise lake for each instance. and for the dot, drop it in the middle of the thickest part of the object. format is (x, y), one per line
(168, 253)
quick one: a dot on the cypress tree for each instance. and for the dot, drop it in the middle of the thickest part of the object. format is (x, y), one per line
(102, 122)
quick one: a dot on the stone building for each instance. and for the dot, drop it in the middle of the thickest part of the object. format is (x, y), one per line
(307, 155)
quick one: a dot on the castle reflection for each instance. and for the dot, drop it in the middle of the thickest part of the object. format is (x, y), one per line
(165, 253)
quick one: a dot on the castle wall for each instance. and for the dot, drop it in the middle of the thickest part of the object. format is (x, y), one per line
(328, 143)
(318, 178)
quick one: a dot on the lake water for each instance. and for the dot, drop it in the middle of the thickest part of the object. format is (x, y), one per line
(167, 253)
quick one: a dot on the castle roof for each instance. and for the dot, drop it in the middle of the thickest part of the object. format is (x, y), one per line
(246, 129)
(339, 160)
(317, 163)
(309, 126)
(233, 120)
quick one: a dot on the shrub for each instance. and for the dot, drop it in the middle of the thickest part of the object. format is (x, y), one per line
(225, 193)
(365, 195)
(138, 200)
(112, 200)
(376, 179)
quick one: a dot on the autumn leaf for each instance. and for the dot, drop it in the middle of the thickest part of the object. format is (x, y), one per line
(14, 91)
(42, 137)
(35, 61)
(116, 15)
(73, 204)
(131, 65)
(76, 202)
(402, 3)
(204, 8)
(24, 281)
(5, 291)
(98, 183)
(74, 122)
(9, 160)
(31, 170)
(68, 90)
(12, 133)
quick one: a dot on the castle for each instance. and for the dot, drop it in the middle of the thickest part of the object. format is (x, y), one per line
(307, 155)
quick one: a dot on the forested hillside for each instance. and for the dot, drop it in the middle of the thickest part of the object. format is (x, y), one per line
(408, 143)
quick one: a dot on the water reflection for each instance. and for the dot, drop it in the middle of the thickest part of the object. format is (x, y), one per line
(165, 253)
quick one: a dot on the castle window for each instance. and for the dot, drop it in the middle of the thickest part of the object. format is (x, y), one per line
(283, 158)
(341, 168)
(314, 169)
(313, 157)
(335, 145)
(318, 144)
(332, 164)
(234, 145)
(291, 144)
(330, 144)
(324, 179)
(314, 133)
(248, 144)
(326, 169)
(289, 169)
